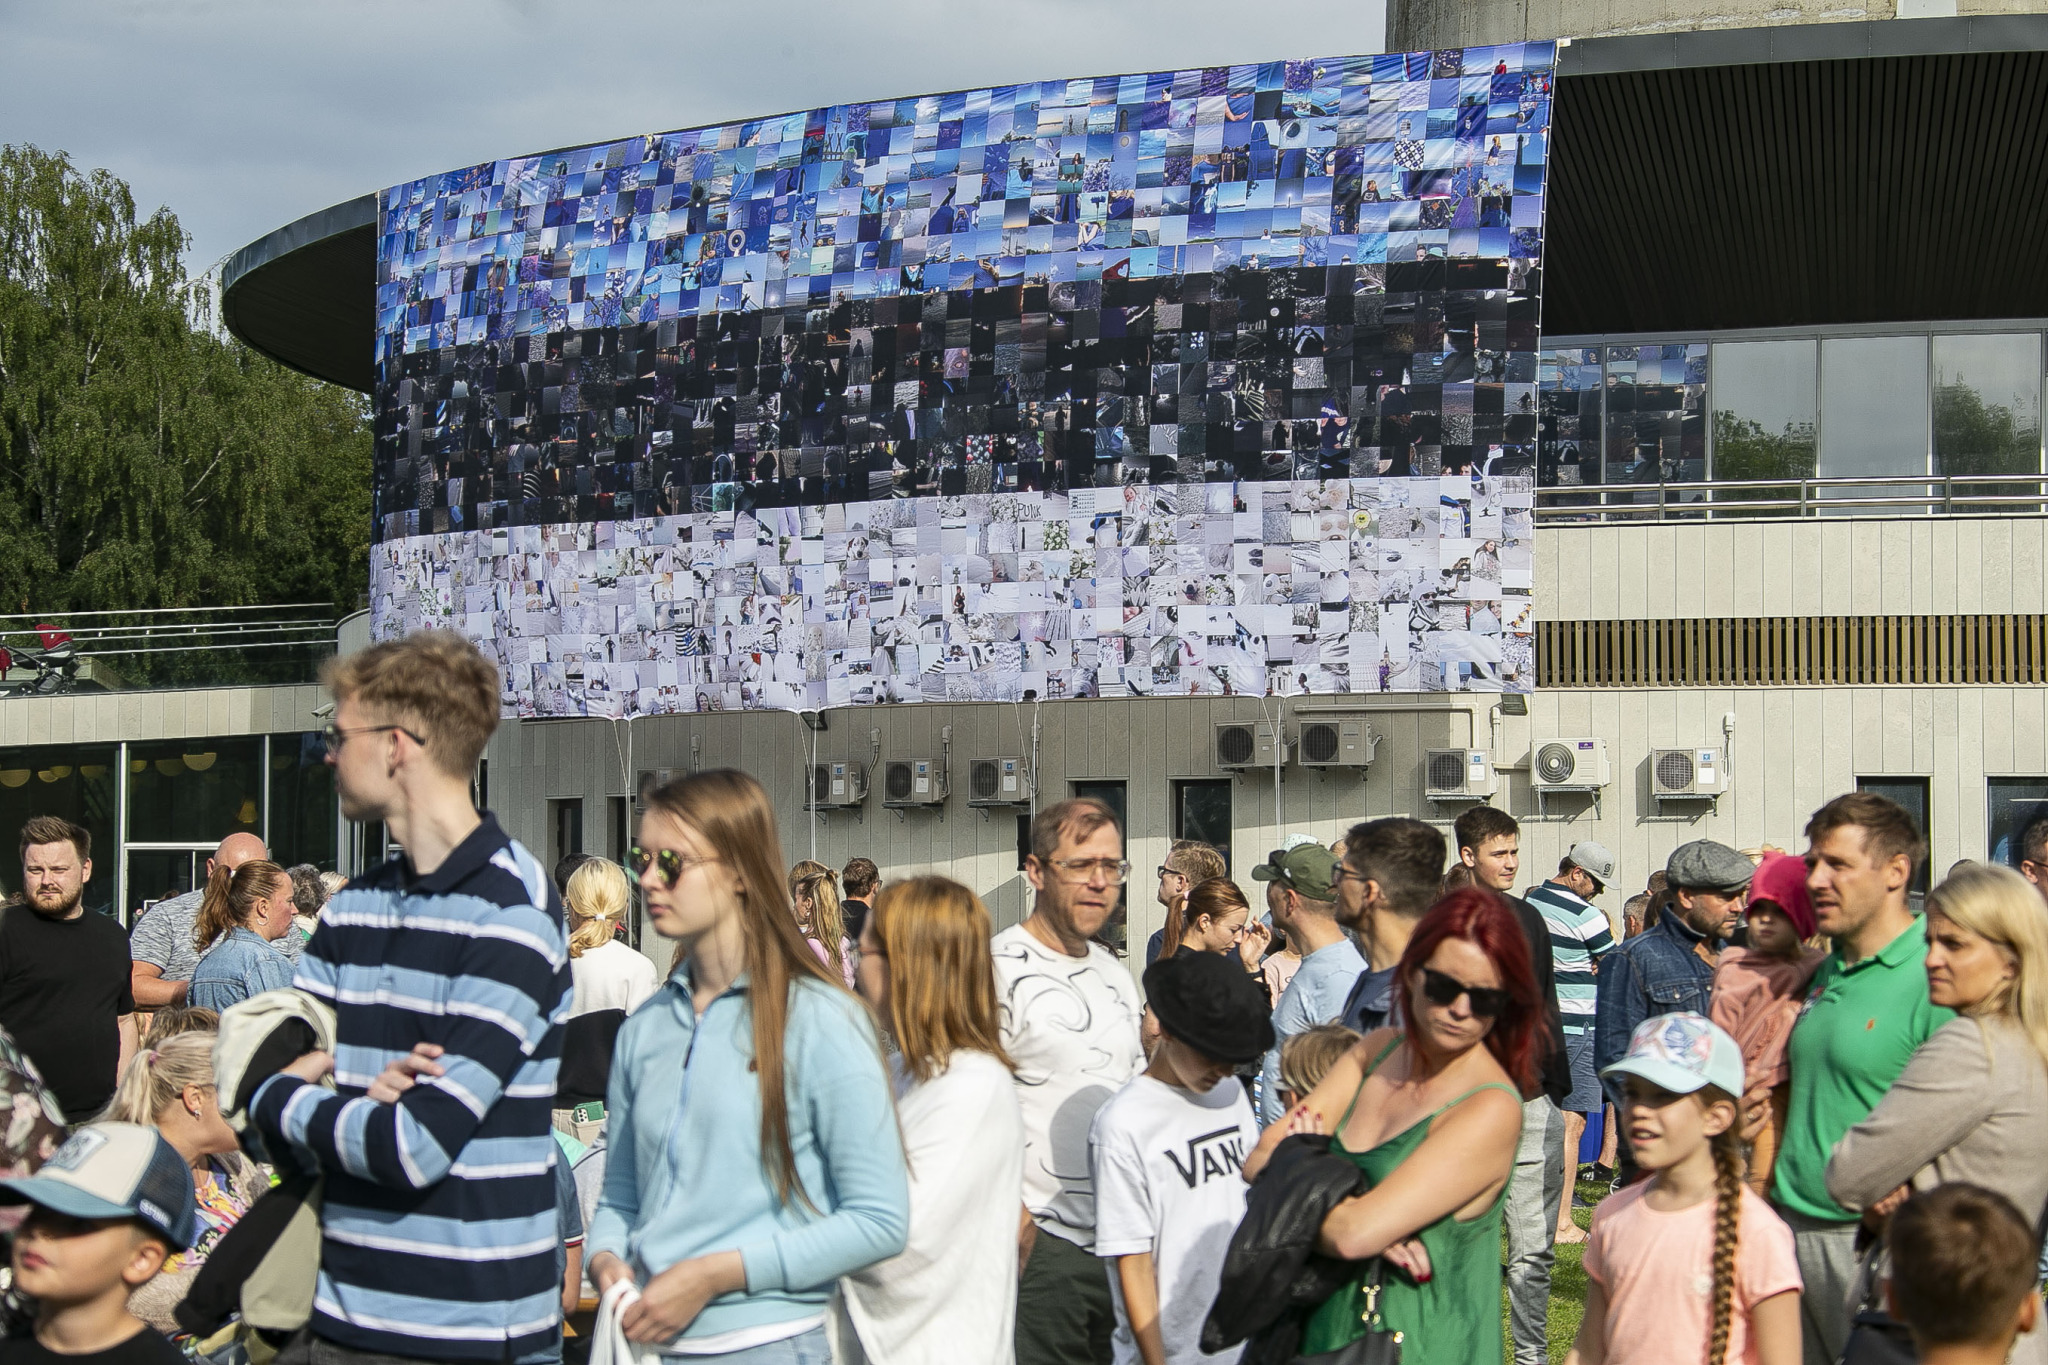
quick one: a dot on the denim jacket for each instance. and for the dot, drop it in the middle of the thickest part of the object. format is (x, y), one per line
(1657, 972)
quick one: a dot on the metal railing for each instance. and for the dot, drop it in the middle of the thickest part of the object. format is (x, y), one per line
(1977, 495)
(43, 654)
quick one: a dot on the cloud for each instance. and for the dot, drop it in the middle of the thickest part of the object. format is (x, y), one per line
(243, 115)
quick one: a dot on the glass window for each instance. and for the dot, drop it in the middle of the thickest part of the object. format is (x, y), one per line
(565, 829)
(195, 790)
(1766, 409)
(1568, 417)
(1987, 404)
(1873, 422)
(1111, 794)
(1911, 793)
(2016, 802)
(1201, 810)
(301, 801)
(75, 782)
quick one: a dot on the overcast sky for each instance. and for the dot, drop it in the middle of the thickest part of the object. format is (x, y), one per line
(242, 115)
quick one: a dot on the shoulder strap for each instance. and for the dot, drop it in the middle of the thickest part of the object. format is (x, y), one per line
(1372, 1066)
(1490, 1085)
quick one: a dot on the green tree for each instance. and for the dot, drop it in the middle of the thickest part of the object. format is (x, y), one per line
(146, 458)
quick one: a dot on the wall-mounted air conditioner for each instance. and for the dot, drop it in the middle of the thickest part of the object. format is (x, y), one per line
(1335, 742)
(835, 785)
(1571, 764)
(1457, 775)
(1245, 744)
(998, 782)
(913, 782)
(1678, 773)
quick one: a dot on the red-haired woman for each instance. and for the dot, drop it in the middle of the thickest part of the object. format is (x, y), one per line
(1432, 1114)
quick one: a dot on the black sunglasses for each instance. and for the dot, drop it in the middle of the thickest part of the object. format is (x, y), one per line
(669, 865)
(1443, 990)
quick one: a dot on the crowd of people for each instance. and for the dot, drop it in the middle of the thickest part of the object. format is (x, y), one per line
(855, 1122)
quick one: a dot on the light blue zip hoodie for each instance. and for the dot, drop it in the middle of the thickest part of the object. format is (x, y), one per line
(685, 1175)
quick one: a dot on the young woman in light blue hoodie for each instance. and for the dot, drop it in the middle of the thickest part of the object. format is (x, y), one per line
(754, 1148)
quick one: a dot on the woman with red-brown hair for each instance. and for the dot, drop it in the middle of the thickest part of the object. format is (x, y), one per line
(1432, 1114)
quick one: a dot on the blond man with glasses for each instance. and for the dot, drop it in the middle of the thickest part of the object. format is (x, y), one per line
(1070, 1016)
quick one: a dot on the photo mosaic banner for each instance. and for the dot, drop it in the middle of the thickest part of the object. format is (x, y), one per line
(1217, 381)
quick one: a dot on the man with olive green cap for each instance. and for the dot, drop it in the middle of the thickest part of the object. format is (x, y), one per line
(1330, 961)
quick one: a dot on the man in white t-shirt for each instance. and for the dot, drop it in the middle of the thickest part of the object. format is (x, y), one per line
(1168, 1156)
(1070, 1023)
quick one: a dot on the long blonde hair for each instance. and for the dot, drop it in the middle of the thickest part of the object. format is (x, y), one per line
(596, 898)
(232, 895)
(731, 813)
(156, 1076)
(2000, 906)
(934, 933)
(828, 923)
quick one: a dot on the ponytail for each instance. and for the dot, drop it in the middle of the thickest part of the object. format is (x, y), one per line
(156, 1076)
(232, 895)
(1728, 1171)
(216, 917)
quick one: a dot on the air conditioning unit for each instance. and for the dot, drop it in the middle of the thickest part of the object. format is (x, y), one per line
(838, 784)
(998, 782)
(1245, 744)
(1687, 772)
(1457, 775)
(913, 782)
(1573, 764)
(1338, 742)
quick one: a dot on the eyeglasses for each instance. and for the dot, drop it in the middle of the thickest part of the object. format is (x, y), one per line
(335, 736)
(1443, 990)
(1113, 871)
(1165, 872)
(1339, 872)
(669, 865)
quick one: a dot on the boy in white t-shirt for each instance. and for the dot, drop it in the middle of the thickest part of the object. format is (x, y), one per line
(1167, 1154)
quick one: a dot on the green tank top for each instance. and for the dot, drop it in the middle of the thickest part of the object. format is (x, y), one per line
(1455, 1318)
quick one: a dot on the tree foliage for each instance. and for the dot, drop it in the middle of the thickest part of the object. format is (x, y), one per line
(146, 458)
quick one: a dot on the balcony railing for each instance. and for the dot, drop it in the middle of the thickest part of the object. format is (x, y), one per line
(110, 651)
(1975, 495)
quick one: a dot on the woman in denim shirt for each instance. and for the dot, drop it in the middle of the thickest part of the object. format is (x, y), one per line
(754, 1149)
(245, 912)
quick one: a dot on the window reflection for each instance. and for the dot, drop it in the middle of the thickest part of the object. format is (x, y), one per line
(1766, 409)
(1568, 439)
(1987, 404)
(1873, 422)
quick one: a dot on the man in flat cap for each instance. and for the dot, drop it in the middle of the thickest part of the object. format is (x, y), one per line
(1671, 967)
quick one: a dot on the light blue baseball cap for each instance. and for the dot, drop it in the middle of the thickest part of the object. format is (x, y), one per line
(1682, 1053)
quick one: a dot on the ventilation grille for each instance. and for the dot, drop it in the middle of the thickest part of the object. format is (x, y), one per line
(1792, 651)
(1234, 744)
(1556, 762)
(1447, 770)
(1674, 771)
(898, 781)
(1319, 742)
(985, 779)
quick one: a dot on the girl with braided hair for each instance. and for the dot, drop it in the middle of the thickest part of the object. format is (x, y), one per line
(1691, 1264)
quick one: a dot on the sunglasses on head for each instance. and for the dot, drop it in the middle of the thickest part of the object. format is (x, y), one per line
(1443, 990)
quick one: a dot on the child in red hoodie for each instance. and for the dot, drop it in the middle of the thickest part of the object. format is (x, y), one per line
(1757, 994)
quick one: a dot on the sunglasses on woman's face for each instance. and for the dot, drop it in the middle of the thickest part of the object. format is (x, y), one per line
(667, 864)
(1443, 990)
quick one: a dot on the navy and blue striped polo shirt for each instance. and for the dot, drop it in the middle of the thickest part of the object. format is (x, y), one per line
(439, 1232)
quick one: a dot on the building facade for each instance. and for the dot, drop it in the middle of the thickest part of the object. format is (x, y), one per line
(1789, 523)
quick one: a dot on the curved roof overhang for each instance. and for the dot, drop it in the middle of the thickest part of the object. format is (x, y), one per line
(1810, 175)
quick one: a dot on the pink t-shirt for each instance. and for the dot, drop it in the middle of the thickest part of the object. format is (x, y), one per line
(1657, 1270)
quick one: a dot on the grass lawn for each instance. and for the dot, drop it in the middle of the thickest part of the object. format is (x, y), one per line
(1567, 1289)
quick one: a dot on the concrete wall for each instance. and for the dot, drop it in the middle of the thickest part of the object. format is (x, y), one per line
(198, 713)
(1793, 748)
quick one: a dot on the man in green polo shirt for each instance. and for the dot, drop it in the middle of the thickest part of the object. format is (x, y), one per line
(1866, 1015)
